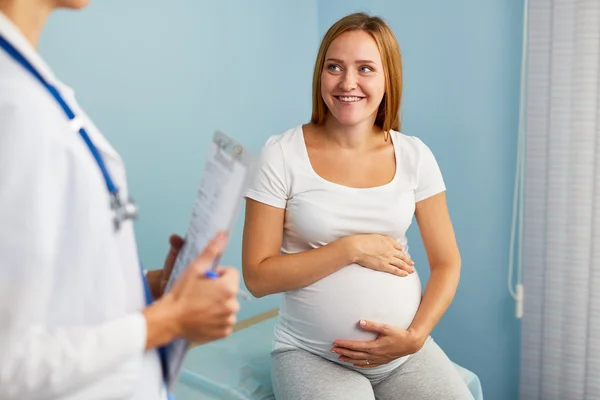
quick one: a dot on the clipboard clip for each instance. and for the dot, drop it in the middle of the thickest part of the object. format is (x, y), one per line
(229, 149)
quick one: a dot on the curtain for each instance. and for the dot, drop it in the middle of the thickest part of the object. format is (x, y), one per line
(560, 347)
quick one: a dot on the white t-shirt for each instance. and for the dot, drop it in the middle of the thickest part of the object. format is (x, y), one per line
(319, 212)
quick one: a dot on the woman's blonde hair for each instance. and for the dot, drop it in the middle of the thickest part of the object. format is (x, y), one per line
(388, 115)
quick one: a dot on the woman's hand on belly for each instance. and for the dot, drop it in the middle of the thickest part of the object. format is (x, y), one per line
(379, 253)
(391, 343)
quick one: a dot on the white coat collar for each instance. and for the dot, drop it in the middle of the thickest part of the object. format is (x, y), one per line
(18, 40)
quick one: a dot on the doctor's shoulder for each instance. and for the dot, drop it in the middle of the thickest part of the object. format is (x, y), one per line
(15, 83)
(28, 113)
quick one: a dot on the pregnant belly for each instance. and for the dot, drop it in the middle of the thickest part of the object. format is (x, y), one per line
(331, 308)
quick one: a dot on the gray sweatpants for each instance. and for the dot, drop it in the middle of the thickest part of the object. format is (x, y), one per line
(426, 375)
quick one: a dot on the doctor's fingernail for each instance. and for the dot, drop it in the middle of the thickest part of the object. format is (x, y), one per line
(363, 323)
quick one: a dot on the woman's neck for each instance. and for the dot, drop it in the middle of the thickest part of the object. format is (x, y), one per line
(355, 137)
(29, 16)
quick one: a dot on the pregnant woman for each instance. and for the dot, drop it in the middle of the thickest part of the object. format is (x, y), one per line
(326, 219)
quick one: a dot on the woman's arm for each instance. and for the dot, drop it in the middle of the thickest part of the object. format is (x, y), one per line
(440, 245)
(267, 272)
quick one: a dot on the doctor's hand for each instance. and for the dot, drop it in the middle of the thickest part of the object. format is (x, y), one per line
(379, 253)
(391, 343)
(196, 308)
(158, 279)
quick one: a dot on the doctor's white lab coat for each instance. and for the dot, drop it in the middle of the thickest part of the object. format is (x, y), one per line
(70, 289)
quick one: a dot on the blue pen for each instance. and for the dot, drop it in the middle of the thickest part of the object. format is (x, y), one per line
(213, 274)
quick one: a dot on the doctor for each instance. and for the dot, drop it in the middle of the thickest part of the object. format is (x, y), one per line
(74, 321)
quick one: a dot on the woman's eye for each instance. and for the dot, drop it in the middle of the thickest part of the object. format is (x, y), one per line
(333, 68)
(366, 69)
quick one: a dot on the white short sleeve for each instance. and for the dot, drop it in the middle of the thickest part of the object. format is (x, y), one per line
(429, 177)
(268, 183)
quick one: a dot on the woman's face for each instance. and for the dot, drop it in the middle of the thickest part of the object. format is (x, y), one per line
(352, 80)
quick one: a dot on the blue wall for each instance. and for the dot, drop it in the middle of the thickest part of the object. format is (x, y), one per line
(462, 67)
(159, 78)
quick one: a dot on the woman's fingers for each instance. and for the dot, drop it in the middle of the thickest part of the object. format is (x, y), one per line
(370, 365)
(401, 264)
(392, 269)
(396, 245)
(352, 355)
(393, 266)
(399, 252)
(402, 255)
(362, 363)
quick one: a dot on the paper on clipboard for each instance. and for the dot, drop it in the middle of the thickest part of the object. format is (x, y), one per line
(217, 205)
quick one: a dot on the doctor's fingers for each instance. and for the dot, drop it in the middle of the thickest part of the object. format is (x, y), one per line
(230, 276)
(210, 333)
(213, 250)
(221, 314)
(218, 321)
(219, 292)
(231, 307)
(176, 242)
(207, 331)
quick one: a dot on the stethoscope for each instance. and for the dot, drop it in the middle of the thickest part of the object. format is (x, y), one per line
(122, 210)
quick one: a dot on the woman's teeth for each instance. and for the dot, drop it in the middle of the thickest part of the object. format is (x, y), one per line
(349, 98)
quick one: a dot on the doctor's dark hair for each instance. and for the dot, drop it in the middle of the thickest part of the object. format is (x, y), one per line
(388, 115)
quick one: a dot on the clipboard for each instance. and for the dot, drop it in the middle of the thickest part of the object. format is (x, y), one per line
(224, 181)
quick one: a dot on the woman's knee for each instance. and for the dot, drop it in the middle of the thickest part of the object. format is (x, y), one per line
(428, 374)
